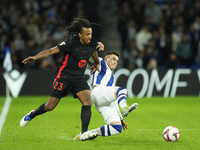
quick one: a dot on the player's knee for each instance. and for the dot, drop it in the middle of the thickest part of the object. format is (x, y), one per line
(121, 90)
(84, 98)
(117, 127)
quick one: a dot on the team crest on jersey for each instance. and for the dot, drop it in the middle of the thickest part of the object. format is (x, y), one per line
(82, 63)
(63, 43)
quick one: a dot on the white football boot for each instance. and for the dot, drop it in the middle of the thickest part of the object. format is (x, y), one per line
(26, 119)
(88, 135)
(128, 109)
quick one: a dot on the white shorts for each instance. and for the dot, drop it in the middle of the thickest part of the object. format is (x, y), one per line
(105, 102)
(103, 96)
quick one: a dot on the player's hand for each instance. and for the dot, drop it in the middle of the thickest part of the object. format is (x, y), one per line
(29, 59)
(124, 125)
(100, 46)
(94, 68)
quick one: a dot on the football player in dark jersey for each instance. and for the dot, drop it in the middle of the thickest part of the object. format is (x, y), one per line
(69, 77)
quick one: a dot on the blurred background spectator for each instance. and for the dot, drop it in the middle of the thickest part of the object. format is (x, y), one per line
(166, 33)
(29, 26)
(171, 62)
(184, 51)
(159, 34)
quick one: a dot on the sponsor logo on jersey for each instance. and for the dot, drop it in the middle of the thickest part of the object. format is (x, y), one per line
(84, 52)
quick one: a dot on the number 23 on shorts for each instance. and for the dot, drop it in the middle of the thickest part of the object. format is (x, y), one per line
(57, 85)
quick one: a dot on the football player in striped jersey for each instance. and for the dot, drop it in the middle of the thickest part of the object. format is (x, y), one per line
(107, 97)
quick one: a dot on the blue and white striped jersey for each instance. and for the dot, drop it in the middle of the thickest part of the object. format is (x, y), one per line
(105, 77)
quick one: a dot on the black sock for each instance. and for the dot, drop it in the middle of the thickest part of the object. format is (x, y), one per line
(85, 117)
(38, 111)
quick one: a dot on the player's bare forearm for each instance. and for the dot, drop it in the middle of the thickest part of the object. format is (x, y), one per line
(96, 65)
(41, 55)
(95, 57)
(47, 53)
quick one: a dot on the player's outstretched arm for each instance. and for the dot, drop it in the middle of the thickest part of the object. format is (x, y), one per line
(41, 55)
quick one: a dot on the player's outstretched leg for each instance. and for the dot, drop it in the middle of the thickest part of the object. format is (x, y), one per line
(128, 109)
(122, 101)
(108, 130)
(32, 114)
(121, 97)
(26, 119)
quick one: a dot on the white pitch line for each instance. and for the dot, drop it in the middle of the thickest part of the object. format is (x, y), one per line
(5, 111)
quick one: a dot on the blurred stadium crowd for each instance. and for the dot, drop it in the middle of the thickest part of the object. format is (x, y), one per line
(160, 33)
(154, 33)
(29, 26)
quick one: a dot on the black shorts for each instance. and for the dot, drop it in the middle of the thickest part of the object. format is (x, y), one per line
(62, 86)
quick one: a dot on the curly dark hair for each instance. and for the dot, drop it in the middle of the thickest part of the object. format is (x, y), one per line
(76, 26)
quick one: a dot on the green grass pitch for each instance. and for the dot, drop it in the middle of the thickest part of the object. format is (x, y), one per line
(55, 130)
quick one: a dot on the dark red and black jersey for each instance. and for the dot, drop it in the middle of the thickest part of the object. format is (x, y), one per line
(75, 56)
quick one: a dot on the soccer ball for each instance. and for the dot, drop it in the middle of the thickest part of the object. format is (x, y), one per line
(171, 134)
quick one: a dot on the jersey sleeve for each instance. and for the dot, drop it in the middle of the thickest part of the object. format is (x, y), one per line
(100, 59)
(64, 46)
